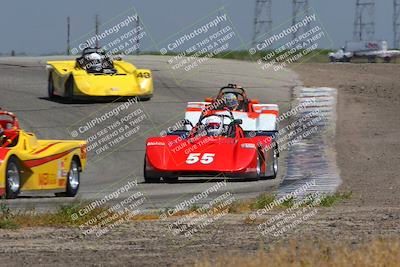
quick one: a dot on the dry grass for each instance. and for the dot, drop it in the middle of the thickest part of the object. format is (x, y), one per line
(145, 217)
(264, 200)
(385, 253)
(62, 217)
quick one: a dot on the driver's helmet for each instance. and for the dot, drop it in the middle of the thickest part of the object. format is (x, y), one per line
(213, 126)
(94, 61)
(231, 101)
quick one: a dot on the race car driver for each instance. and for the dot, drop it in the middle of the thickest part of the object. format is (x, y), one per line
(232, 101)
(213, 126)
(94, 62)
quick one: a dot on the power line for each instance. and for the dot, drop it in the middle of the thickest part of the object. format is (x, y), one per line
(137, 35)
(68, 35)
(364, 24)
(396, 24)
(300, 10)
(262, 18)
(97, 25)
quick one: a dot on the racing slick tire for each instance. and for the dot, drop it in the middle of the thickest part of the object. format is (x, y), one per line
(13, 178)
(270, 172)
(145, 98)
(50, 87)
(69, 89)
(259, 168)
(73, 179)
(147, 178)
(275, 166)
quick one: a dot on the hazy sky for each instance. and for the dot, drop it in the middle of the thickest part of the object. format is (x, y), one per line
(39, 26)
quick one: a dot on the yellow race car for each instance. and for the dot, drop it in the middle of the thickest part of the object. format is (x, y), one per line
(27, 163)
(95, 74)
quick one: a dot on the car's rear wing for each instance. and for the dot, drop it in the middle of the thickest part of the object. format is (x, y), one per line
(266, 108)
(197, 106)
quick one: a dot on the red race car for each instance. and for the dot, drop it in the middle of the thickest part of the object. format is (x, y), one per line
(216, 146)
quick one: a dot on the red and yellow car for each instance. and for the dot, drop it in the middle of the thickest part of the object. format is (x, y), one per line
(27, 163)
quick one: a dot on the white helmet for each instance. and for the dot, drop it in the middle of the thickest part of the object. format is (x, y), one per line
(95, 61)
(213, 126)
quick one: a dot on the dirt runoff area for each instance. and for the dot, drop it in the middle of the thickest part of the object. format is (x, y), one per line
(368, 131)
(368, 154)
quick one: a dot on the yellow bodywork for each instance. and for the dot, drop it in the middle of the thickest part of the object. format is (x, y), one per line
(128, 81)
(44, 163)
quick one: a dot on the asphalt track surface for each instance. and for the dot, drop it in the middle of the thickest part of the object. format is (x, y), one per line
(23, 90)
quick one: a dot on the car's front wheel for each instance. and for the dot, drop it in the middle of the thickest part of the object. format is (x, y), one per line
(145, 98)
(69, 89)
(73, 179)
(50, 87)
(13, 178)
(275, 166)
(147, 177)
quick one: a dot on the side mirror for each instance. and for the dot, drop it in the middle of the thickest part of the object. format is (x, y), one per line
(238, 121)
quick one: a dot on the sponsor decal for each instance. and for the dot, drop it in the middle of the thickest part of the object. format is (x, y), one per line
(47, 179)
(155, 143)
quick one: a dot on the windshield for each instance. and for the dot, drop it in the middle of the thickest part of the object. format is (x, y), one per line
(213, 125)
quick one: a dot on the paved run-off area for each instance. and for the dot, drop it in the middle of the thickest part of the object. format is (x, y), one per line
(23, 87)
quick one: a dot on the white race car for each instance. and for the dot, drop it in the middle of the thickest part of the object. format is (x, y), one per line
(257, 118)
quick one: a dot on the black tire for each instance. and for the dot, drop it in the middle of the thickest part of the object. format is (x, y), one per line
(275, 167)
(73, 178)
(50, 87)
(147, 178)
(259, 167)
(272, 167)
(13, 178)
(69, 89)
(170, 180)
(144, 99)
